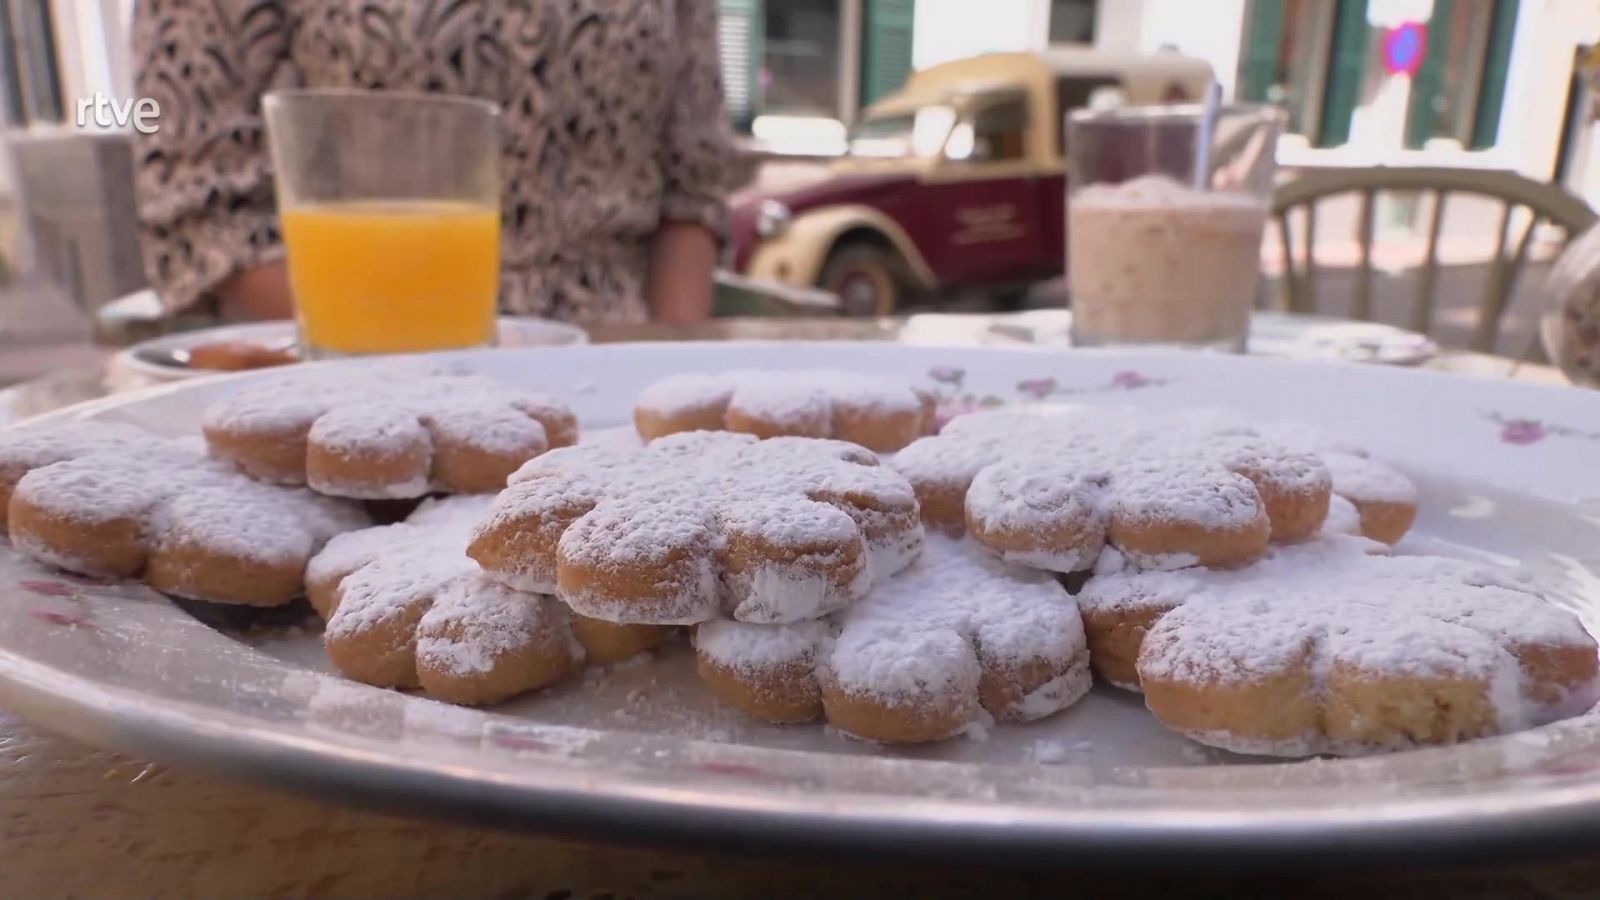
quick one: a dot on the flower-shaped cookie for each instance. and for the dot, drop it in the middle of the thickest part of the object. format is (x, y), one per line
(916, 658)
(379, 431)
(1051, 487)
(1329, 647)
(700, 523)
(118, 501)
(877, 412)
(405, 607)
(1384, 499)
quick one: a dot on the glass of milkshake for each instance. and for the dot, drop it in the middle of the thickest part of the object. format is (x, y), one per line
(1165, 213)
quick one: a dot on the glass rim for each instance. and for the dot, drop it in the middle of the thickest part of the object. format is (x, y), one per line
(1168, 112)
(292, 95)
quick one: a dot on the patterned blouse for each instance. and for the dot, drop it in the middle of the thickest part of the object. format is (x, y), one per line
(613, 122)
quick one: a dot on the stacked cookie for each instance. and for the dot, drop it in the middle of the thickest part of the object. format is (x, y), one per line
(404, 605)
(118, 501)
(1240, 580)
(1236, 573)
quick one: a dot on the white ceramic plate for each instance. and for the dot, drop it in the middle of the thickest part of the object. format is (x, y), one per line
(1506, 469)
(132, 367)
(1271, 334)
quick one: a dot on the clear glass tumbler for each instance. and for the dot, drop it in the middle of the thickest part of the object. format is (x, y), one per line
(390, 209)
(1165, 214)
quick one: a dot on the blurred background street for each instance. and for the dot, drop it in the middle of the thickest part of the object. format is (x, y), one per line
(1490, 85)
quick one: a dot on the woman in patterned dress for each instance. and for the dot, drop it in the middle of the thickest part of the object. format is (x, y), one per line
(616, 152)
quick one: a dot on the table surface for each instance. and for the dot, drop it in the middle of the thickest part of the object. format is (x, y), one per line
(75, 820)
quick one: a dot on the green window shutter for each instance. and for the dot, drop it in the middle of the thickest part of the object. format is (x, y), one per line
(1422, 114)
(885, 47)
(739, 44)
(1262, 33)
(1347, 62)
(1497, 59)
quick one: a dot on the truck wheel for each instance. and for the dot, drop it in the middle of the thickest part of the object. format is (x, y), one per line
(865, 277)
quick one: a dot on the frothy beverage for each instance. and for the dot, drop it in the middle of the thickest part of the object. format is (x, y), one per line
(1152, 261)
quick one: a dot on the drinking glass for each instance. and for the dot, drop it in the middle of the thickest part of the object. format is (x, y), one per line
(390, 209)
(1166, 206)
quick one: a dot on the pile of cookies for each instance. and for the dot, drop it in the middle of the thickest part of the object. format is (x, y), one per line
(1238, 574)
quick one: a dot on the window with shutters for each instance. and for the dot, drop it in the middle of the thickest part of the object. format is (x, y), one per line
(1353, 70)
(1285, 59)
(1458, 90)
(1072, 21)
(1496, 63)
(28, 67)
(1444, 92)
(739, 46)
(799, 72)
(885, 47)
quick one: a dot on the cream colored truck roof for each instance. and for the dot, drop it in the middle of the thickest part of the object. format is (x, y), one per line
(1145, 76)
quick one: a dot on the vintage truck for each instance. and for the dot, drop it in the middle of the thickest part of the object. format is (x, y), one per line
(954, 183)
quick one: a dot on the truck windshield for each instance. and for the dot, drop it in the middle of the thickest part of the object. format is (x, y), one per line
(918, 134)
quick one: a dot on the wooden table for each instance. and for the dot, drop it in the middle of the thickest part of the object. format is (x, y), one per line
(76, 821)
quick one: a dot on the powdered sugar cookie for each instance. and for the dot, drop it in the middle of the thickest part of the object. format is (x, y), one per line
(702, 523)
(1330, 647)
(1050, 487)
(916, 659)
(118, 501)
(1385, 499)
(879, 413)
(405, 607)
(384, 431)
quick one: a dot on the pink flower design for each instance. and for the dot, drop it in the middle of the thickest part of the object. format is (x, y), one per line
(1037, 388)
(47, 588)
(947, 374)
(738, 769)
(70, 620)
(1522, 431)
(1129, 380)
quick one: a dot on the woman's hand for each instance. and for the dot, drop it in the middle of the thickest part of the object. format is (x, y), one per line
(256, 294)
(682, 257)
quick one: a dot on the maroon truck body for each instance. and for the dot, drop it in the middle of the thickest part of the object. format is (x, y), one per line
(971, 191)
(976, 232)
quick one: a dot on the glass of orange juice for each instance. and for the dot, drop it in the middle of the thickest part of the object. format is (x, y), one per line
(390, 209)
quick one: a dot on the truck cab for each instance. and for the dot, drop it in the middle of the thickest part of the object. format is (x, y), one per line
(955, 182)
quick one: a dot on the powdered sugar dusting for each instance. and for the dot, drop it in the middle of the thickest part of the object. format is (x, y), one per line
(103, 473)
(390, 408)
(799, 398)
(34, 446)
(1029, 470)
(757, 648)
(474, 622)
(927, 634)
(387, 567)
(1343, 517)
(668, 510)
(1355, 474)
(1339, 600)
(685, 393)
(1361, 479)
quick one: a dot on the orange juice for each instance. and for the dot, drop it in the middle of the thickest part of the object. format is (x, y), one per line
(395, 276)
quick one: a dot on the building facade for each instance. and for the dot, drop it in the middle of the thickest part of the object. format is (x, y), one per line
(1481, 83)
(1489, 83)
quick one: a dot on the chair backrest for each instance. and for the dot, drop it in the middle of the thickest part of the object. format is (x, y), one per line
(1544, 202)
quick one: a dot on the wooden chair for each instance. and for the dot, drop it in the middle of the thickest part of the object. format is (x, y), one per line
(1544, 202)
